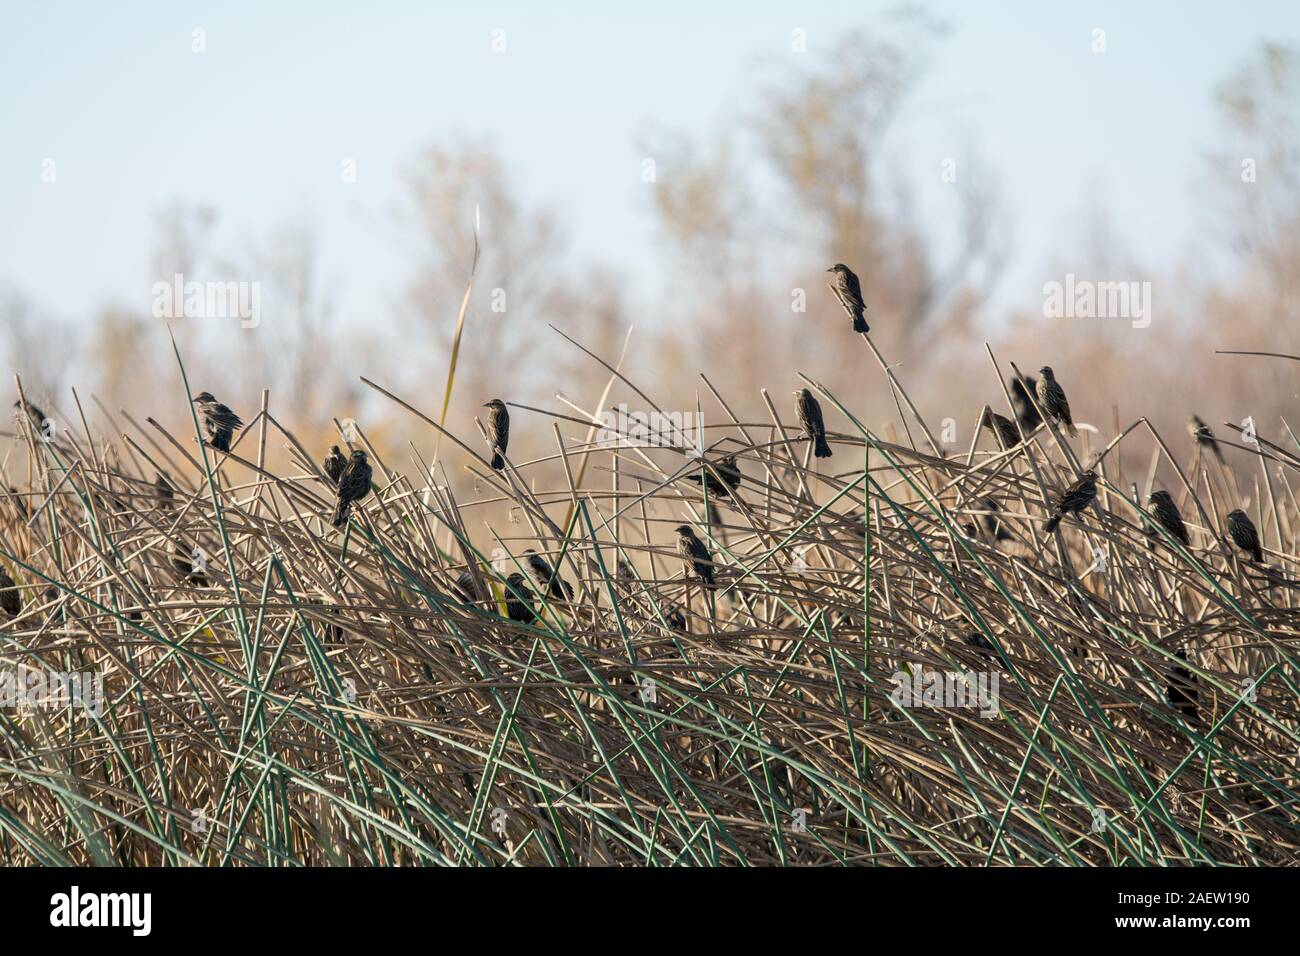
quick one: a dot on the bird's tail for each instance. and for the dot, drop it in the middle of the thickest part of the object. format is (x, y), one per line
(822, 450)
(498, 463)
(1052, 523)
(860, 324)
(340, 513)
(1074, 432)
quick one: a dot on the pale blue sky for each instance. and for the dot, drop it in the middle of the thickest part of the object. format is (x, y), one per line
(258, 125)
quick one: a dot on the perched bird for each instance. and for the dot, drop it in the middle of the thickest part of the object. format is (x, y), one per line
(1165, 512)
(189, 565)
(1051, 398)
(466, 587)
(11, 599)
(720, 477)
(981, 643)
(1026, 412)
(498, 428)
(1202, 437)
(810, 417)
(1003, 428)
(1181, 692)
(163, 489)
(218, 421)
(20, 505)
(334, 464)
(354, 484)
(848, 290)
(1077, 497)
(677, 621)
(695, 554)
(1244, 534)
(519, 600)
(548, 579)
(35, 415)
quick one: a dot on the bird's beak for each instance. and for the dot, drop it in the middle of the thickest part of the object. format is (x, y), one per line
(830, 270)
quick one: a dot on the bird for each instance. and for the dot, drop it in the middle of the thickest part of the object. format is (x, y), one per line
(466, 587)
(848, 290)
(1202, 437)
(189, 565)
(11, 600)
(35, 415)
(354, 484)
(695, 554)
(498, 427)
(548, 579)
(1166, 513)
(1077, 497)
(218, 421)
(1051, 397)
(1003, 428)
(1181, 692)
(163, 489)
(727, 478)
(334, 464)
(991, 522)
(677, 621)
(519, 600)
(1026, 412)
(1244, 534)
(810, 417)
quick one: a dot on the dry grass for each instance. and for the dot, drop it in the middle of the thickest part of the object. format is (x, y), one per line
(472, 739)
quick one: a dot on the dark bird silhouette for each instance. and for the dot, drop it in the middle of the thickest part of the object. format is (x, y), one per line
(1203, 438)
(35, 415)
(721, 478)
(848, 290)
(1166, 514)
(334, 464)
(1051, 398)
(548, 579)
(1077, 497)
(991, 523)
(981, 643)
(162, 488)
(810, 418)
(219, 421)
(1003, 428)
(677, 621)
(19, 503)
(466, 587)
(1026, 413)
(1181, 692)
(519, 600)
(1244, 535)
(11, 599)
(354, 484)
(498, 429)
(696, 555)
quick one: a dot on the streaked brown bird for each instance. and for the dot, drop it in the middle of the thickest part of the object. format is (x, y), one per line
(1077, 497)
(1203, 437)
(1181, 692)
(1051, 398)
(519, 600)
(810, 418)
(547, 579)
(696, 555)
(1003, 428)
(1026, 412)
(466, 587)
(354, 484)
(1244, 535)
(162, 488)
(720, 477)
(848, 290)
(1165, 512)
(11, 599)
(498, 429)
(219, 422)
(334, 464)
